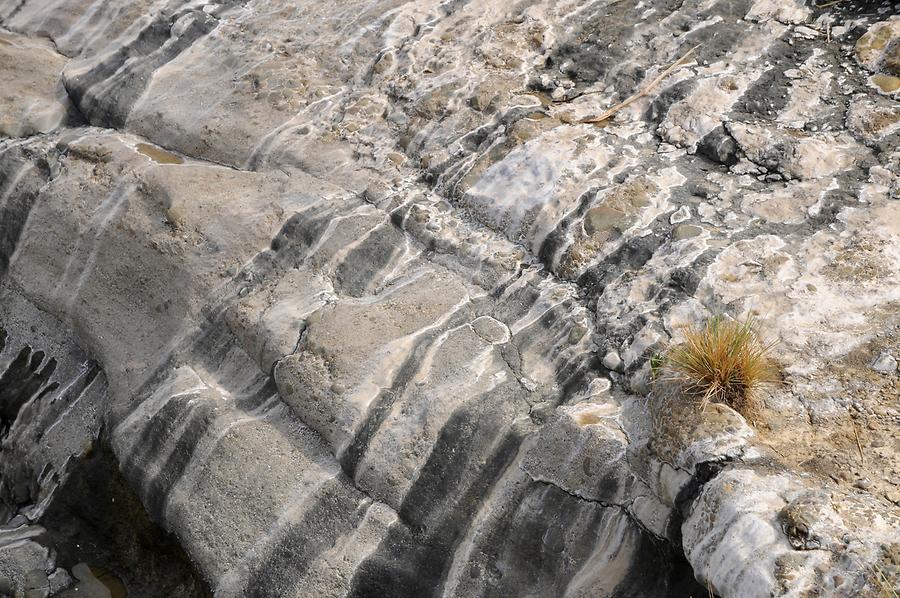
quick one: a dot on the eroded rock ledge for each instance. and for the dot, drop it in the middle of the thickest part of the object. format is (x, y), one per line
(356, 305)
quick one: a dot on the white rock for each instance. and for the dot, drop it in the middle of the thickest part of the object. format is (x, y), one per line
(612, 360)
(885, 363)
(680, 215)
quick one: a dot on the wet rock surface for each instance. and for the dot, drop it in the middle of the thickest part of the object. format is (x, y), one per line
(357, 301)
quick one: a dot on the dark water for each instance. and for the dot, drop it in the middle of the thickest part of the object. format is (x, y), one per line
(96, 519)
(95, 525)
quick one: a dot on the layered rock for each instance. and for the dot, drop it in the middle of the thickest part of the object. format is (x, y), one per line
(360, 303)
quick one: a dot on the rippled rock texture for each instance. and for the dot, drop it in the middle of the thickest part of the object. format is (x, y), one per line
(359, 298)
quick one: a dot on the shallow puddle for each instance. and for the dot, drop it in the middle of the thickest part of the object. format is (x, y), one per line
(113, 584)
(886, 83)
(158, 155)
(586, 419)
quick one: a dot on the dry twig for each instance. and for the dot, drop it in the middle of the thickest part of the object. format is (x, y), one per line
(643, 92)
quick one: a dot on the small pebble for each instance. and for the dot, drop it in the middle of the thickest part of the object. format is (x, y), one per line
(612, 361)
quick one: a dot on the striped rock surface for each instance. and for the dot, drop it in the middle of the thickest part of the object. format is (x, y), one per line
(352, 299)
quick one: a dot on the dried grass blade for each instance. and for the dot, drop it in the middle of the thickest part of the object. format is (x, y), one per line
(643, 92)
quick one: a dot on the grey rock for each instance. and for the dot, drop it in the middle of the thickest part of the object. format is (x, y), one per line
(36, 584)
(34, 98)
(612, 361)
(87, 585)
(885, 363)
(863, 483)
(59, 580)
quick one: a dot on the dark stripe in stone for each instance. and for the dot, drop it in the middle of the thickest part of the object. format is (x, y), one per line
(106, 93)
(46, 414)
(518, 302)
(256, 399)
(19, 202)
(576, 374)
(498, 291)
(542, 543)
(381, 406)
(475, 447)
(20, 383)
(364, 262)
(759, 100)
(159, 428)
(538, 547)
(302, 229)
(158, 488)
(153, 438)
(630, 256)
(554, 242)
(337, 509)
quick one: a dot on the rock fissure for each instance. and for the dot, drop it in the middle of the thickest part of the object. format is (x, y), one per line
(625, 508)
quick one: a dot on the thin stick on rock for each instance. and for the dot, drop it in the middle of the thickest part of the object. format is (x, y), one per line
(858, 444)
(642, 93)
(776, 450)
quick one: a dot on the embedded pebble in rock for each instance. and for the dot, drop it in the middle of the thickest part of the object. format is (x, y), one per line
(683, 213)
(363, 298)
(685, 231)
(491, 330)
(873, 120)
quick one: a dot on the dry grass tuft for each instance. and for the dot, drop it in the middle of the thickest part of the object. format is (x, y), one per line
(724, 361)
